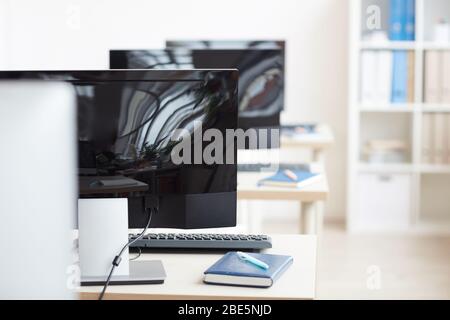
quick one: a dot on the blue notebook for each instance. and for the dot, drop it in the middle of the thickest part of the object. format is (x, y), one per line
(280, 179)
(231, 270)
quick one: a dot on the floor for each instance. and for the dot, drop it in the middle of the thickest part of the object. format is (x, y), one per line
(377, 266)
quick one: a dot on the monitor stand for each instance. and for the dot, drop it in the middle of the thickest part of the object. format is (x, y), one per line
(103, 231)
(141, 272)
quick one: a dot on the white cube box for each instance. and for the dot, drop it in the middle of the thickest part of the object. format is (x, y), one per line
(383, 202)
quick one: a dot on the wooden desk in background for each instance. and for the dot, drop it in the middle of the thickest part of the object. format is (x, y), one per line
(317, 142)
(310, 197)
(185, 276)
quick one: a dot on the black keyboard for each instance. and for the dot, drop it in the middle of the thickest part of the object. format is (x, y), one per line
(201, 241)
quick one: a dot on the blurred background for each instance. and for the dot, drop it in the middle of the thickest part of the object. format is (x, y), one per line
(386, 218)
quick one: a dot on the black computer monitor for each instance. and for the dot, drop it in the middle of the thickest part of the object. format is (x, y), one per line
(227, 44)
(261, 75)
(126, 126)
(230, 44)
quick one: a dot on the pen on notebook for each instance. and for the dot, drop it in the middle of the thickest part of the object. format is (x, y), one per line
(248, 258)
(291, 175)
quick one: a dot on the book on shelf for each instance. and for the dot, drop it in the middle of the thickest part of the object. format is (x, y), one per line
(385, 151)
(399, 77)
(411, 77)
(439, 151)
(376, 76)
(384, 76)
(368, 78)
(437, 76)
(445, 76)
(386, 144)
(387, 77)
(395, 20)
(402, 20)
(410, 19)
(447, 137)
(436, 138)
(426, 140)
(433, 77)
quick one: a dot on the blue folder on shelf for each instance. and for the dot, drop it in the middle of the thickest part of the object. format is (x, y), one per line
(410, 20)
(231, 270)
(396, 20)
(402, 19)
(399, 76)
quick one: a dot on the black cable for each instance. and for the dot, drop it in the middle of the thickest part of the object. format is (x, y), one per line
(138, 255)
(117, 259)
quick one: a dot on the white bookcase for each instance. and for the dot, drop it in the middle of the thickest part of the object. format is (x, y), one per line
(410, 196)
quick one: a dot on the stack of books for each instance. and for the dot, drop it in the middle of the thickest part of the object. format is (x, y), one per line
(436, 138)
(386, 151)
(387, 76)
(437, 76)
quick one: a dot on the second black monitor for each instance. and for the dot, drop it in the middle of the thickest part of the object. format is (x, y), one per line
(261, 75)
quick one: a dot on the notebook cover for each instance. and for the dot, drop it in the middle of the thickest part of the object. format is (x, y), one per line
(281, 177)
(231, 265)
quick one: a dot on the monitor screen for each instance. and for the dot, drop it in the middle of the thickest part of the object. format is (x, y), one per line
(261, 75)
(129, 122)
(230, 44)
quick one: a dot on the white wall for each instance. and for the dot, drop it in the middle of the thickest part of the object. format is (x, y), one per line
(4, 28)
(74, 34)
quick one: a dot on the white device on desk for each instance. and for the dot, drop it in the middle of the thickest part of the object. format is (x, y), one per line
(103, 231)
(37, 123)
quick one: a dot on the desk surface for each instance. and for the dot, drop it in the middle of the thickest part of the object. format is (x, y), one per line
(248, 188)
(185, 274)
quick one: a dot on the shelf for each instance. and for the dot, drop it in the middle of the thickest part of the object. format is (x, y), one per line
(434, 168)
(404, 107)
(436, 46)
(385, 167)
(393, 45)
(403, 45)
(400, 107)
(429, 201)
(427, 107)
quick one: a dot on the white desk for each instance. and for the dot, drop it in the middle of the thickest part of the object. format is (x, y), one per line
(185, 274)
(317, 142)
(310, 197)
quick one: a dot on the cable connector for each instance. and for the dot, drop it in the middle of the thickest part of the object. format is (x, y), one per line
(116, 261)
(151, 201)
